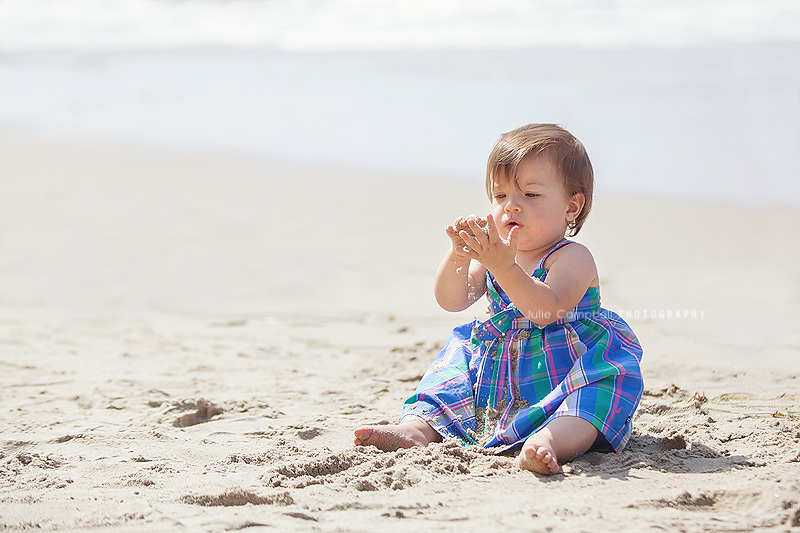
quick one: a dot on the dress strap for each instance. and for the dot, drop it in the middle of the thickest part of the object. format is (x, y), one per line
(553, 249)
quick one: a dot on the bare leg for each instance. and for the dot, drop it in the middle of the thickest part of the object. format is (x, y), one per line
(559, 441)
(411, 431)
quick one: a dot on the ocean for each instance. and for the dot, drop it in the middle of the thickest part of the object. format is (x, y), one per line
(688, 99)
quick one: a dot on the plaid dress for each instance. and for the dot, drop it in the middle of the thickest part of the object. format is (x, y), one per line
(496, 382)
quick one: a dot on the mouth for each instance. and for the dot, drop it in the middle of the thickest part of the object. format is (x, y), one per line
(512, 224)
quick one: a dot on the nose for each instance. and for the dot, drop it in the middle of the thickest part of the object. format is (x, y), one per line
(511, 204)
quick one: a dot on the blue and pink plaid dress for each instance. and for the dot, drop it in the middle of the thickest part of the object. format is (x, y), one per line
(498, 381)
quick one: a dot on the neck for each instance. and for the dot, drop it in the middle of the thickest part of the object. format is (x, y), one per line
(528, 259)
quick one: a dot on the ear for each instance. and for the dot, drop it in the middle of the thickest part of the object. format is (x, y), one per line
(575, 206)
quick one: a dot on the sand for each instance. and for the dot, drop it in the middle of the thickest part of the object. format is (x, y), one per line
(187, 341)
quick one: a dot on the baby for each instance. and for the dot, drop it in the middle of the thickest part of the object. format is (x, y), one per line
(550, 372)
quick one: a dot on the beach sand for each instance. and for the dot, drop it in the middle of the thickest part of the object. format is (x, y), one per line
(187, 341)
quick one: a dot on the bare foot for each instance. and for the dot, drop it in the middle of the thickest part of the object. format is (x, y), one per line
(561, 439)
(538, 457)
(412, 431)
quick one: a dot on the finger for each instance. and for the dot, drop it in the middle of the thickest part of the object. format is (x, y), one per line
(513, 235)
(458, 224)
(470, 240)
(455, 239)
(494, 235)
(478, 232)
(465, 221)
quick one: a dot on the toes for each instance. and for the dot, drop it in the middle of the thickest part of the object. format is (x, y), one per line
(362, 435)
(538, 459)
(547, 460)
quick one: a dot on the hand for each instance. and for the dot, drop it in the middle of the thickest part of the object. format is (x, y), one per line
(460, 248)
(489, 249)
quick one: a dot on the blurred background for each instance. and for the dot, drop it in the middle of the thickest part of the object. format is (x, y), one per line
(232, 156)
(696, 99)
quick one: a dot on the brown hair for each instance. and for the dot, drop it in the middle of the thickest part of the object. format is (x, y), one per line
(568, 153)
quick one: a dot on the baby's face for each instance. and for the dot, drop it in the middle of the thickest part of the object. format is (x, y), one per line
(536, 202)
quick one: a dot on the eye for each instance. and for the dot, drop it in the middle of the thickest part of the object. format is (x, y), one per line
(532, 194)
(499, 195)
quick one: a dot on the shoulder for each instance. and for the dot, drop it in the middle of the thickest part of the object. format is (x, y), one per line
(574, 256)
(573, 251)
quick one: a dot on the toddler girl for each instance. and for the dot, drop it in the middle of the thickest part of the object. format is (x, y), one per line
(550, 370)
